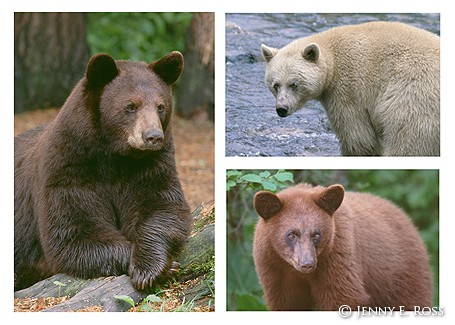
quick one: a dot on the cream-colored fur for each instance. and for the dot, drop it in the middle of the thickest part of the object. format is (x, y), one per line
(378, 81)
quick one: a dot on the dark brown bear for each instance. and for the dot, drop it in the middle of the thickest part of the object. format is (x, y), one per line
(319, 248)
(96, 192)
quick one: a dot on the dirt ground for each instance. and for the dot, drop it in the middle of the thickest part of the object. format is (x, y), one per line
(194, 146)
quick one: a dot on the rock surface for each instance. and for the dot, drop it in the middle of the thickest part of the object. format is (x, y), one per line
(101, 292)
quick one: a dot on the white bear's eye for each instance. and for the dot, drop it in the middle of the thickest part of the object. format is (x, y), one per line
(276, 86)
(293, 86)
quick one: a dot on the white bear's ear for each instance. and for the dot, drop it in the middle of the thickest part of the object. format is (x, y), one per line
(330, 198)
(267, 204)
(268, 52)
(311, 52)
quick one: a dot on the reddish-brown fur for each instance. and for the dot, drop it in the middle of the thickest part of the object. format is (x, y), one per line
(318, 248)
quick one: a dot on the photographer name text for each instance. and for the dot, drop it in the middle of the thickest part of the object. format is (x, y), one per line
(346, 311)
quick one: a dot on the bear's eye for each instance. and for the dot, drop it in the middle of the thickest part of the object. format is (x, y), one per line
(293, 86)
(131, 108)
(276, 86)
(291, 236)
(317, 238)
(161, 108)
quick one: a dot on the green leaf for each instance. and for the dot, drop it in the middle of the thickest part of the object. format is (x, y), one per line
(252, 178)
(284, 177)
(231, 173)
(264, 174)
(60, 284)
(152, 298)
(126, 299)
(230, 183)
(269, 186)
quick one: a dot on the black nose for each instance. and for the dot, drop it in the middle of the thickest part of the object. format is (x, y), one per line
(281, 111)
(153, 137)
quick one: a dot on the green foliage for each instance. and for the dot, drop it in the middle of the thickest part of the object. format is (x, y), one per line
(60, 285)
(415, 191)
(263, 180)
(243, 289)
(158, 300)
(135, 35)
(145, 305)
(200, 268)
(126, 299)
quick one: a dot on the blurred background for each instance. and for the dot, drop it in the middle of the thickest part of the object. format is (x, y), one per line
(414, 191)
(53, 49)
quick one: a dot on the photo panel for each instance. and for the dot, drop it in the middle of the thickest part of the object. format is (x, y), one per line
(332, 239)
(331, 84)
(114, 161)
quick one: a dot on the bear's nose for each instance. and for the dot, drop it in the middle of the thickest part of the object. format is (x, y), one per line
(281, 111)
(307, 266)
(153, 137)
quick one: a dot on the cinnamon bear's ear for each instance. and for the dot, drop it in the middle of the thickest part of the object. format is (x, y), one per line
(101, 70)
(266, 204)
(330, 198)
(169, 67)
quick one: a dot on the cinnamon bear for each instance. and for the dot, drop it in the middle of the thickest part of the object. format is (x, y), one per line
(318, 248)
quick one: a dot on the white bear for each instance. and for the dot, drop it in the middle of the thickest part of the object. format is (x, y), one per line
(378, 81)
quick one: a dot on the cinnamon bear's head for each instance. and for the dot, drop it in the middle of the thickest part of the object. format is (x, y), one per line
(299, 223)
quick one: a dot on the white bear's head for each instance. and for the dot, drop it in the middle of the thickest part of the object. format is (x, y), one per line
(294, 75)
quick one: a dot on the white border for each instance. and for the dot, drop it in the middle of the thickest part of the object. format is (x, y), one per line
(445, 163)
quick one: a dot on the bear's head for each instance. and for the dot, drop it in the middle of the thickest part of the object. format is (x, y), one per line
(294, 75)
(299, 222)
(132, 102)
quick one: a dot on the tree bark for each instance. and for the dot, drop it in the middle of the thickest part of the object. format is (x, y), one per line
(195, 95)
(50, 55)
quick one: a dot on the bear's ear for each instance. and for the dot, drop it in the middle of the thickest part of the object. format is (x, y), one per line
(311, 52)
(169, 67)
(268, 52)
(266, 204)
(330, 198)
(101, 70)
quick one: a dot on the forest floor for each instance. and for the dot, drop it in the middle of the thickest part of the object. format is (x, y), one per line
(194, 146)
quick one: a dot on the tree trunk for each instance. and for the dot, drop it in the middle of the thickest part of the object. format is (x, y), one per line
(50, 55)
(195, 95)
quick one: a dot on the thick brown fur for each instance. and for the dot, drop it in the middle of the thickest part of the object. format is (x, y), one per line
(96, 191)
(324, 248)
